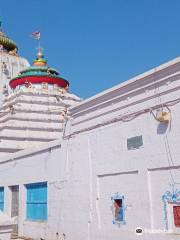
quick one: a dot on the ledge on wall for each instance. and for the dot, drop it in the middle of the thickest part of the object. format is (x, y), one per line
(31, 151)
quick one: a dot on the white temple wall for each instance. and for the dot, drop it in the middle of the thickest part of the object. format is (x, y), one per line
(162, 179)
(92, 166)
(25, 171)
(87, 171)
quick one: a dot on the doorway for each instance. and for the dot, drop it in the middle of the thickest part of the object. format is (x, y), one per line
(15, 206)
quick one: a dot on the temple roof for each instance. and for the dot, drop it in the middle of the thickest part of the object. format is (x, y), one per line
(34, 70)
(38, 73)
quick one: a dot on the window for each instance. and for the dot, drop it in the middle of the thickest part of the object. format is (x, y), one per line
(176, 213)
(118, 209)
(134, 142)
(14, 200)
(37, 201)
(1, 198)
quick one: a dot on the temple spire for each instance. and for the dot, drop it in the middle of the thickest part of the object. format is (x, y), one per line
(40, 51)
(40, 60)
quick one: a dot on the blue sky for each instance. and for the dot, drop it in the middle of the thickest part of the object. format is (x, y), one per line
(96, 44)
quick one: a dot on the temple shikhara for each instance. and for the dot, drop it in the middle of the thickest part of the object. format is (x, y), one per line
(33, 113)
(107, 167)
(11, 62)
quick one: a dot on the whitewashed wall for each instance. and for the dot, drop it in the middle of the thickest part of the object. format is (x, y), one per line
(92, 163)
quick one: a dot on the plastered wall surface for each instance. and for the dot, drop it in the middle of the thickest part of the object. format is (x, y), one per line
(92, 163)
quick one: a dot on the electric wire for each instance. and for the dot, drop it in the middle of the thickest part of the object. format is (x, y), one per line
(124, 118)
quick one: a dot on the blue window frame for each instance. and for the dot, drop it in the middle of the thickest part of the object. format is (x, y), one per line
(118, 209)
(2, 198)
(37, 201)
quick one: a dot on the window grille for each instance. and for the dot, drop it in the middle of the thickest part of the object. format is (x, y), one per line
(134, 142)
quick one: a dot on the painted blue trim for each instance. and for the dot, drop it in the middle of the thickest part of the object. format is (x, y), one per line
(36, 201)
(121, 213)
(173, 197)
(2, 198)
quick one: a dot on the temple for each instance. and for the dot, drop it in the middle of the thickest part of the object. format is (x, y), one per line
(10, 62)
(105, 168)
(34, 112)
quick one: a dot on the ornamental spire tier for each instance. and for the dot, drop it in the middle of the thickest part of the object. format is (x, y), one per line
(6, 44)
(10, 62)
(36, 111)
(39, 75)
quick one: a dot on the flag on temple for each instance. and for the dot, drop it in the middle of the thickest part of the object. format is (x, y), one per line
(36, 35)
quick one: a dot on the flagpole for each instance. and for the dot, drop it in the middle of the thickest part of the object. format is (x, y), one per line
(39, 45)
(37, 35)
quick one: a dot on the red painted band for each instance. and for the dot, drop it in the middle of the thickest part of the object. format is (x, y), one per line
(38, 79)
